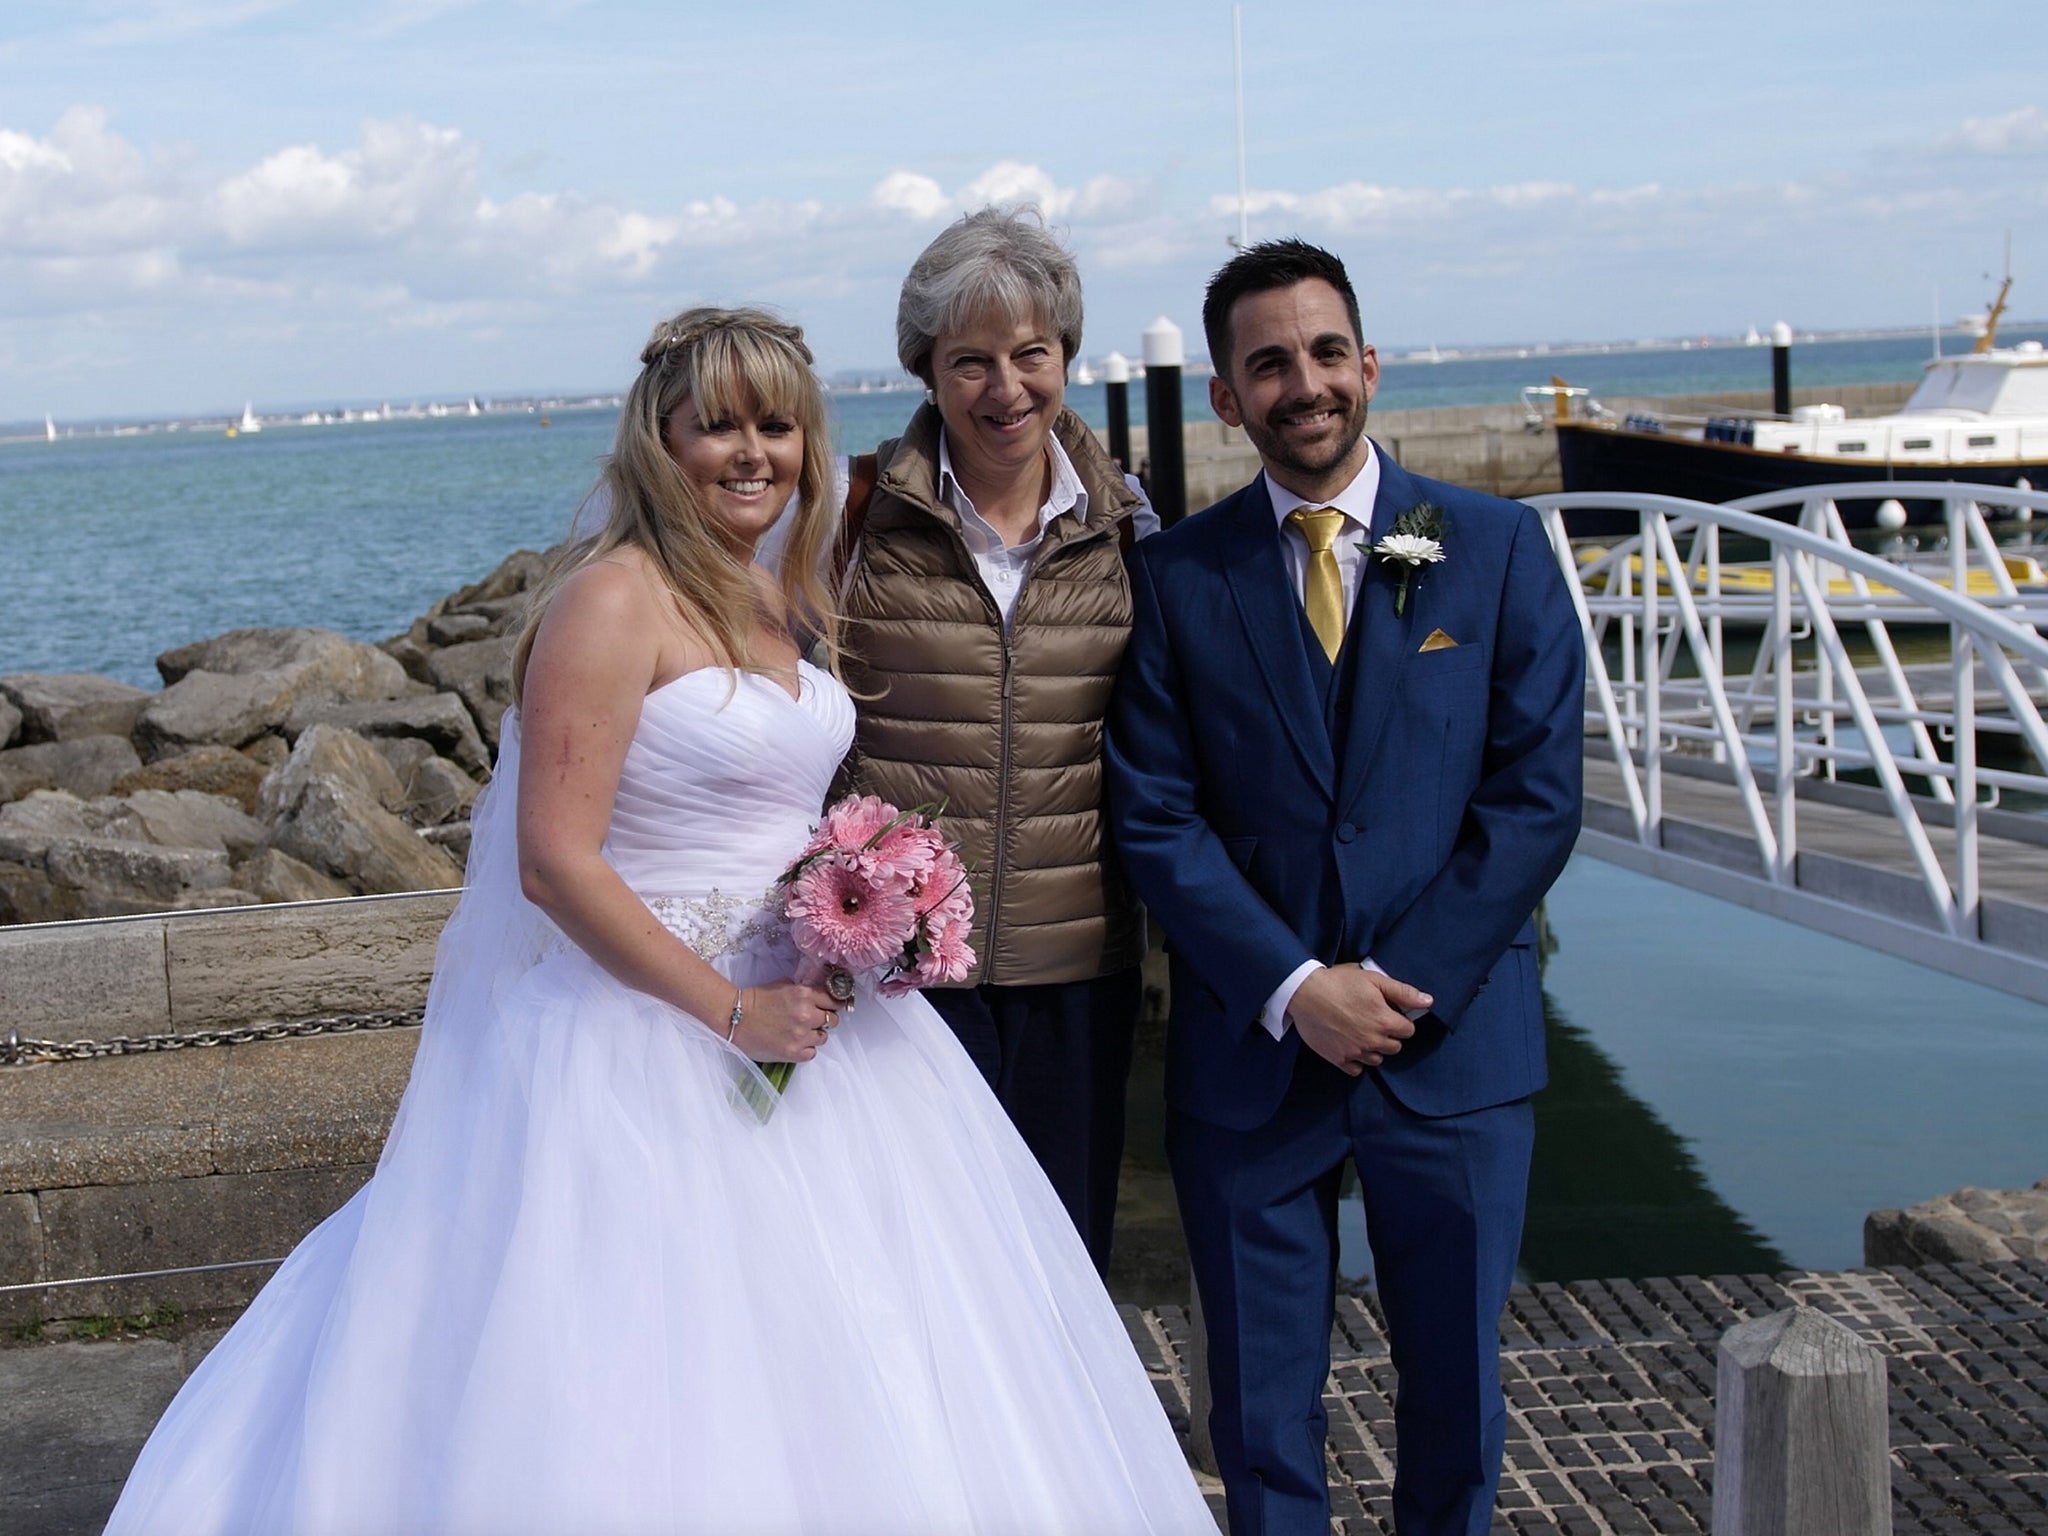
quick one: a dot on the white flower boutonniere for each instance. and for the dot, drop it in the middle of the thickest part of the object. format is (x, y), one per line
(1417, 540)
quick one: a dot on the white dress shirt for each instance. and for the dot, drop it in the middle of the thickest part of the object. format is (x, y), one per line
(1003, 567)
(1355, 501)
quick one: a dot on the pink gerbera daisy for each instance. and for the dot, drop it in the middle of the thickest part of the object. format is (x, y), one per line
(843, 917)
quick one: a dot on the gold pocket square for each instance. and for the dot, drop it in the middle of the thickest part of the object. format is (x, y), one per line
(1439, 641)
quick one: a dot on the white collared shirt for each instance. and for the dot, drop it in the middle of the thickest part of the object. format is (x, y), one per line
(1355, 501)
(1003, 567)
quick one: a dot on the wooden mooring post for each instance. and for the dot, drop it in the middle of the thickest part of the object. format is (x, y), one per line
(1800, 1436)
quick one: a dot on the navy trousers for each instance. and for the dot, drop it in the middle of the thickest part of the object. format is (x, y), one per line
(1444, 1200)
(1058, 1056)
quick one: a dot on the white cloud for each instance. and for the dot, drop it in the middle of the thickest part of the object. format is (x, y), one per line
(908, 192)
(2020, 132)
(83, 190)
(1015, 183)
(404, 177)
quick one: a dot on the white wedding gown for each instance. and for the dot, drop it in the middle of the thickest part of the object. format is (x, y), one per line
(588, 1293)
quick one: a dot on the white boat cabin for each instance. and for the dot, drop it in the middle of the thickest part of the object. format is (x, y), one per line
(1977, 408)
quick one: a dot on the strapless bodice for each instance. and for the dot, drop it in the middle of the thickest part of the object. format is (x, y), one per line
(724, 780)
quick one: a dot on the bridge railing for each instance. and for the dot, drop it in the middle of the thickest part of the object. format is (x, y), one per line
(1804, 658)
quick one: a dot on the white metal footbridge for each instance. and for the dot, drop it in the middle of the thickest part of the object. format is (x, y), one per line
(1822, 733)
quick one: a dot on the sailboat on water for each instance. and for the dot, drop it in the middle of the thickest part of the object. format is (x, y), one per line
(248, 423)
(49, 429)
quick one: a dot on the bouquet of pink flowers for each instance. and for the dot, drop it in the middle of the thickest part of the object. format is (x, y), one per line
(876, 890)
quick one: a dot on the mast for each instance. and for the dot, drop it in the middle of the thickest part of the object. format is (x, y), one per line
(1244, 234)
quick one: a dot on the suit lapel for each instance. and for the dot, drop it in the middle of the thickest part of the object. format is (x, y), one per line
(1382, 638)
(1267, 605)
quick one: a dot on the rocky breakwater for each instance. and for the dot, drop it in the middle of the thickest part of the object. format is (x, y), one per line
(1965, 1226)
(273, 765)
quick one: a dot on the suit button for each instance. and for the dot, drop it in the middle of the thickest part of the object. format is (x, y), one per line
(1346, 832)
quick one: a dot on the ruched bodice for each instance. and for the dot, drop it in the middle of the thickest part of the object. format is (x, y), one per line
(725, 779)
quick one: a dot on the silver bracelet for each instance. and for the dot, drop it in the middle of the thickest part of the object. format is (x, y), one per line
(732, 1023)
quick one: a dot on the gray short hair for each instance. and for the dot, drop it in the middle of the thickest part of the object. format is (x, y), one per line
(994, 261)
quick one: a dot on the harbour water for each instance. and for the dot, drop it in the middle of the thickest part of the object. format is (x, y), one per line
(1729, 1092)
(117, 547)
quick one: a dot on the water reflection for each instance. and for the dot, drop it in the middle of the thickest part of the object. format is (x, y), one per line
(1614, 1192)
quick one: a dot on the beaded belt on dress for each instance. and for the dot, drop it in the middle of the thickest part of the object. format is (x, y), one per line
(716, 924)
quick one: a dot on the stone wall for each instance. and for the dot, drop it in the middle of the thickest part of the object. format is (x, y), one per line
(205, 1155)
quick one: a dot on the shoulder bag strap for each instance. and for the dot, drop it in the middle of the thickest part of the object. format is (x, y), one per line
(860, 491)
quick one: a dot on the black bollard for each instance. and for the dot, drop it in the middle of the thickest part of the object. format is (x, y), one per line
(1116, 389)
(1781, 369)
(1168, 485)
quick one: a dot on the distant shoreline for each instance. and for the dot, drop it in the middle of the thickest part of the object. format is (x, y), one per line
(882, 381)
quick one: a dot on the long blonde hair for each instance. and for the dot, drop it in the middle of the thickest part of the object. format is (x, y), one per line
(716, 362)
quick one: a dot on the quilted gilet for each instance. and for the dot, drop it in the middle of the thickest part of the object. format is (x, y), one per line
(1006, 730)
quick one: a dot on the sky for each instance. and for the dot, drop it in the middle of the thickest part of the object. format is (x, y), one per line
(207, 201)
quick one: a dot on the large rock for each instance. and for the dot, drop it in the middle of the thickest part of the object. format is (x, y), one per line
(322, 663)
(350, 836)
(458, 628)
(168, 818)
(411, 654)
(85, 765)
(329, 754)
(215, 708)
(88, 876)
(516, 574)
(63, 706)
(480, 673)
(276, 876)
(28, 825)
(438, 719)
(1966, 1226)
(10, 721)
(437, 791)
(186, 818)
(210, 769)
(331, 807)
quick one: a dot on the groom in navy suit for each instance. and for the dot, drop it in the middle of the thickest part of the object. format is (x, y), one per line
(1343, 781)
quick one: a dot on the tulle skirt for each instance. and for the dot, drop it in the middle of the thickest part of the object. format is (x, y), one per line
(588, 1293)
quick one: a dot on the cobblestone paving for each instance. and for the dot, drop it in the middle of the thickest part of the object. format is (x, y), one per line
(1610, 1388)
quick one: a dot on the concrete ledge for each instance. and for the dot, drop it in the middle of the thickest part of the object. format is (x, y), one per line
(302, 959)
(270, 1105)
(184, 971)
(134, 1163)
(125, 1228)
(119, 1120)
(63, 979)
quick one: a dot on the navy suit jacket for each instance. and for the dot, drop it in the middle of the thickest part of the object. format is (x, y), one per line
(1456, 807)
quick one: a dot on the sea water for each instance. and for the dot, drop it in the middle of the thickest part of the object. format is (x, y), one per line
(114, 548)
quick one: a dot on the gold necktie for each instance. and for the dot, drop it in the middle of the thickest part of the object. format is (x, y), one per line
(1322, 587)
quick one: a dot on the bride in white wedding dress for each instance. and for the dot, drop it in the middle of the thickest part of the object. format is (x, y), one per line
(588, 1294)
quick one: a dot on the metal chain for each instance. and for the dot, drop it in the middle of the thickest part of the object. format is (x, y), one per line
(17, 1052)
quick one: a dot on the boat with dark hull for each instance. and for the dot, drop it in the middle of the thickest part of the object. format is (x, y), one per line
(1981, 416)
